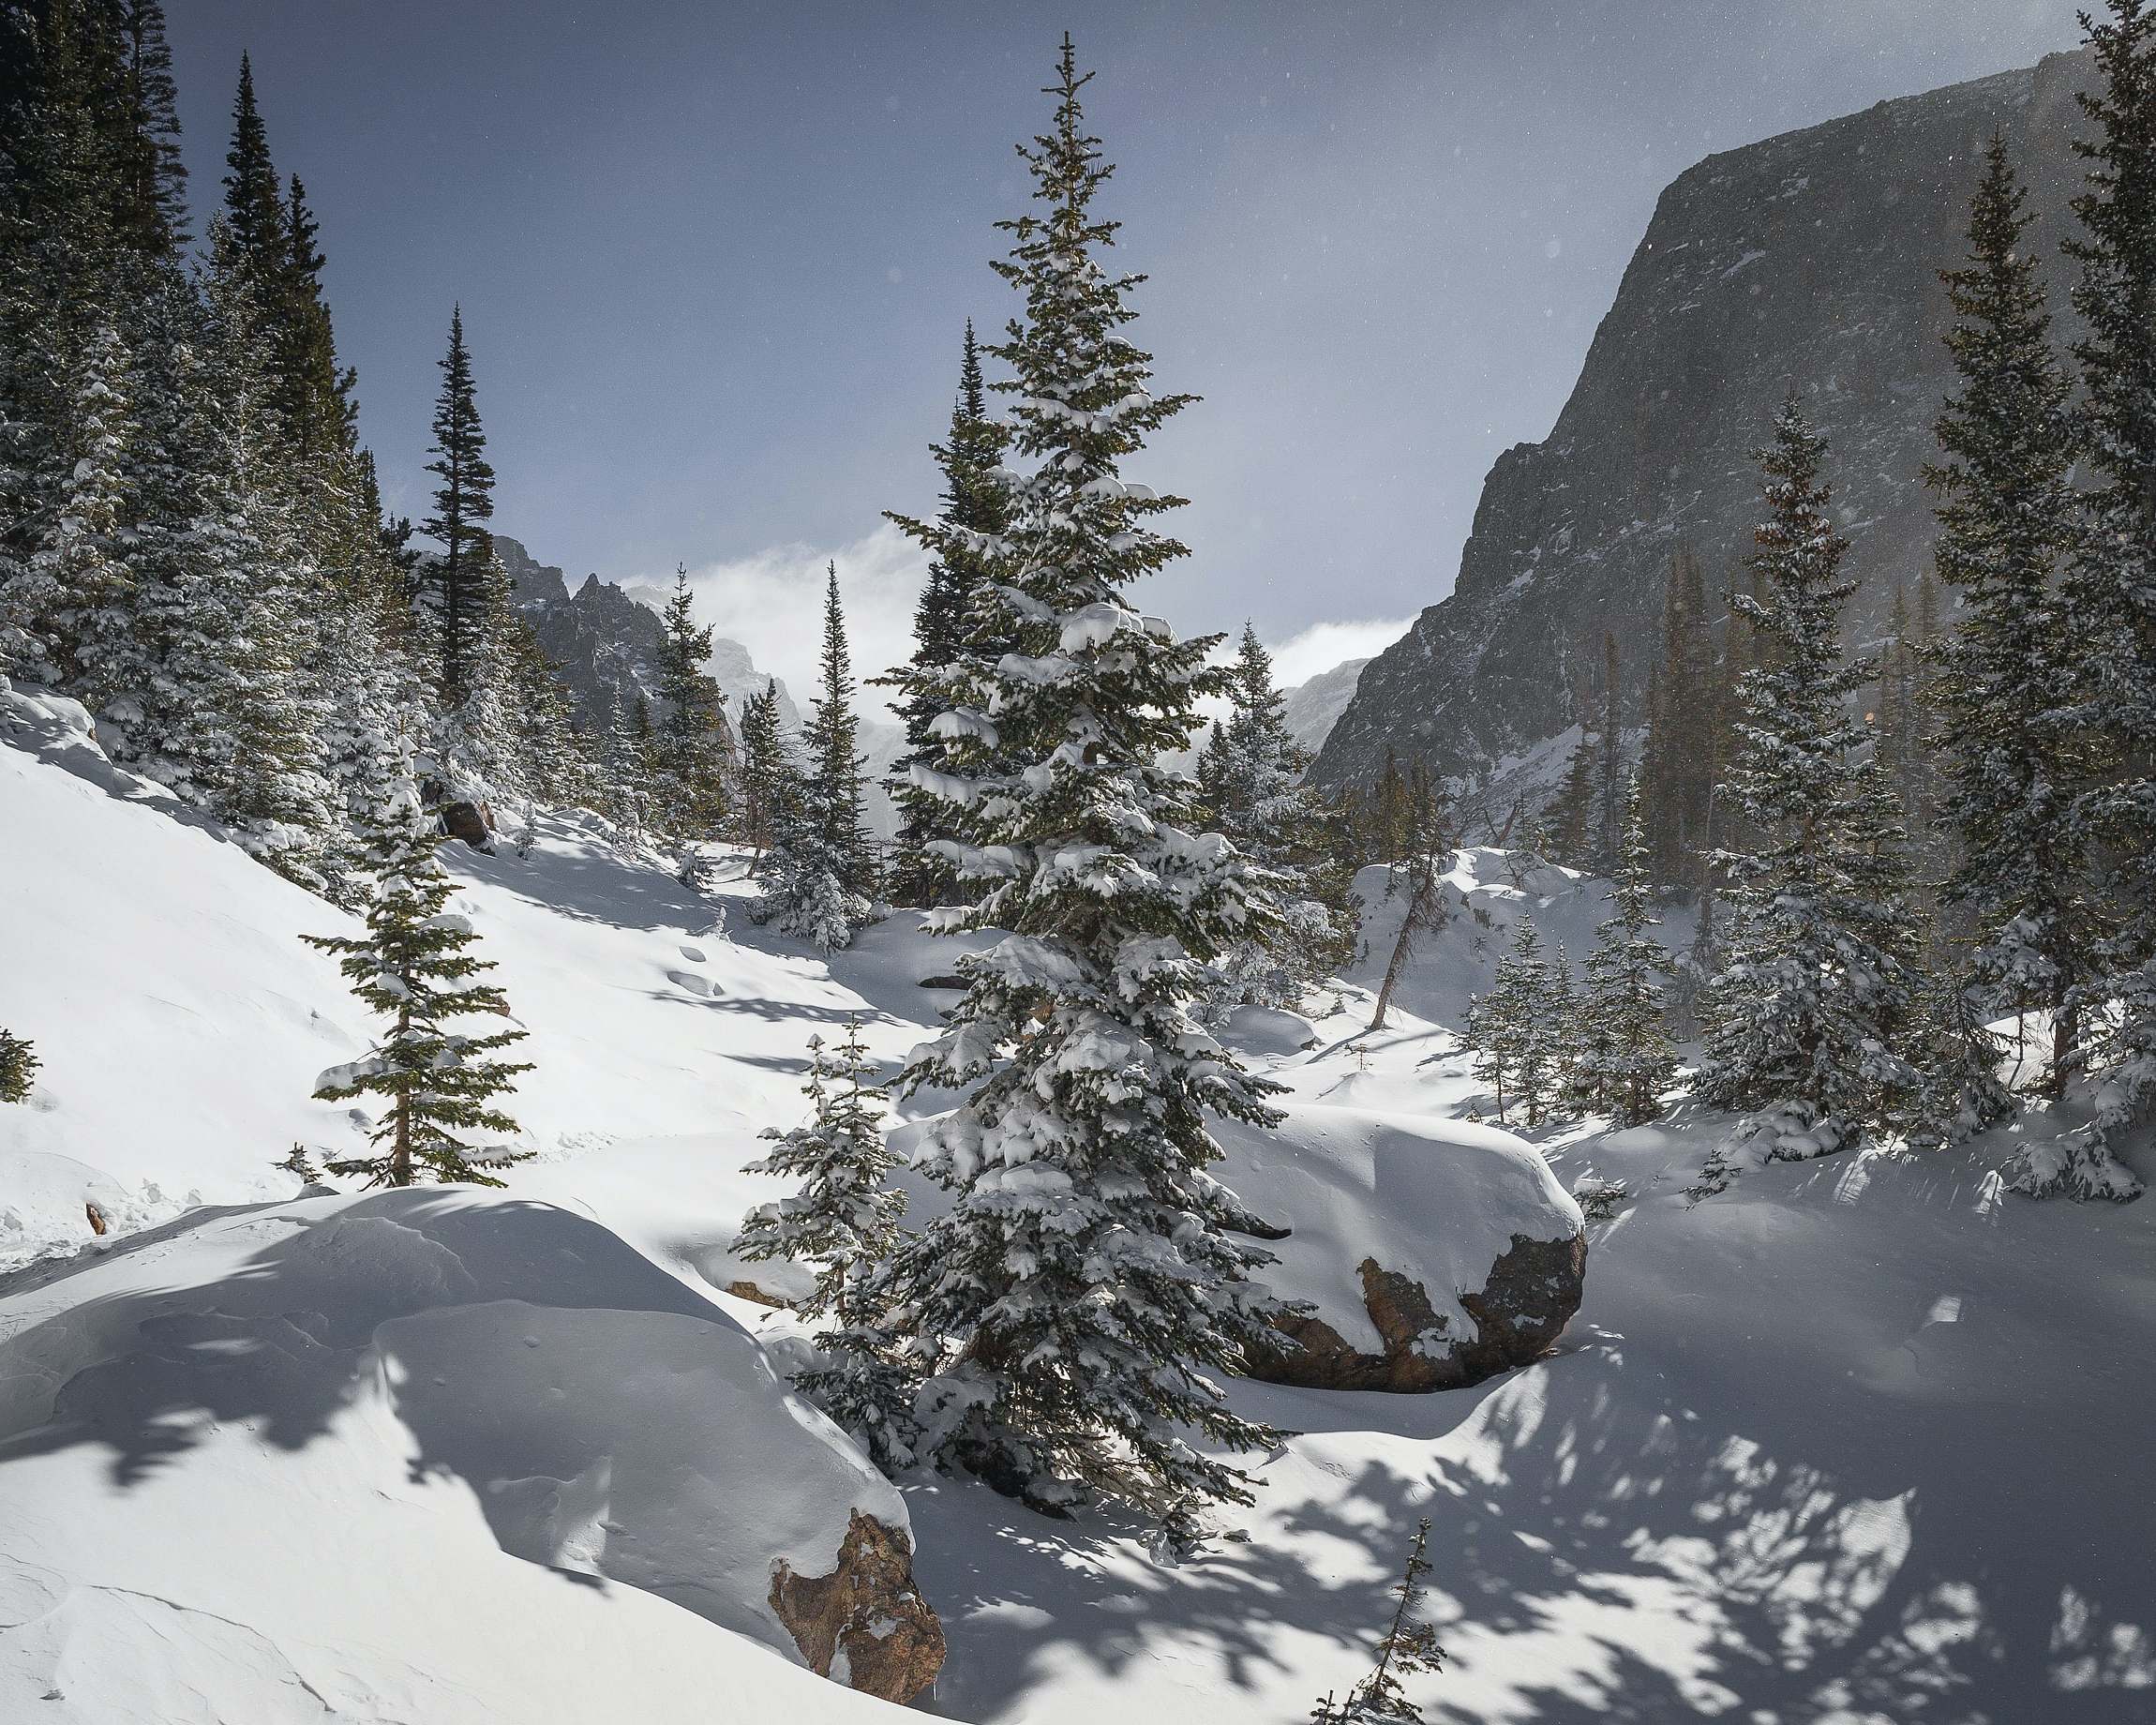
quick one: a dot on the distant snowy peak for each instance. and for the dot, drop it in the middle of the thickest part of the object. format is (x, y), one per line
(1312, 709)
(606, 639)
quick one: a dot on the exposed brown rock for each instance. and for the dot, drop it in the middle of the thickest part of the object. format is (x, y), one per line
(748, 1290)
(1533, 1290)
(866, 1623)
(472, 822)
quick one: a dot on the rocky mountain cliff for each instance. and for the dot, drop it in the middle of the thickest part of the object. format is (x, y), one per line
(606, 641)
(1312, 708)
(1807, 262)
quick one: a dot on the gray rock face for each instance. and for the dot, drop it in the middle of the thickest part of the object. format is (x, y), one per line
(606, 645)
(1312, 709)
(1809, 260)
(606, 640)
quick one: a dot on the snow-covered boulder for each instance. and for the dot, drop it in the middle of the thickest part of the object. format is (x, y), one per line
(1431, 1254)
(250, 1412)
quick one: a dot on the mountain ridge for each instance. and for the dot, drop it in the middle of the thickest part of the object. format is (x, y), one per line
(1806, 260)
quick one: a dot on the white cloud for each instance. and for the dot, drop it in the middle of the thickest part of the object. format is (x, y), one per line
(1323, 645)
(772, 602)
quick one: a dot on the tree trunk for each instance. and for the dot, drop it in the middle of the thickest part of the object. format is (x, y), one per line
(1421, 896)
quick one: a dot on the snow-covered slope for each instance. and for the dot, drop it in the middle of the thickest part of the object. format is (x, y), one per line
(432, 1456)
(1848, 1442)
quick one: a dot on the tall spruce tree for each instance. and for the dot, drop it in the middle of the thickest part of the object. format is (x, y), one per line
(1074, 1306)
(455, 585)
(314, 392)
(693, 746)
(1621, 1056)
(832, 742)
(948, 628)
(153, 177)
(769, 780)
(1249, 784)
(2006, 520)
(819, 868)
(414, 967)
(2110, 591)
(1806, 1017)
(254, 203)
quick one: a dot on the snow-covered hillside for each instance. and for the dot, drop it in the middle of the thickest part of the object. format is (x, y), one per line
(1842, 1443)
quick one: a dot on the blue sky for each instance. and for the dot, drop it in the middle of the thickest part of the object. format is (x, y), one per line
(714, 258)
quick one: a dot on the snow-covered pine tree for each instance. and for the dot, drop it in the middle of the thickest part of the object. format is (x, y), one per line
(1249, 784)
(540, 715)
(831, 741)
(843, 1220)
(77, 592)
(19, 1065)
(820, 868)
(377, 698)
(1622, 1059)
(769, 779)
(625, 774)
(1493, 1035)
(259, 573)
(2006, 520)
(691, 745)
(949, 625)
(414, 967)
(2110, 592)
(1515, 1029)
(1072, 1308)
(1807, 1016)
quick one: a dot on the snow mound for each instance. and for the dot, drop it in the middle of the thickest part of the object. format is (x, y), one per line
(1438, 1201)
(368, 1409)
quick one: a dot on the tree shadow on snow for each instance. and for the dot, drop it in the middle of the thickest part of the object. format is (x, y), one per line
(1603, 1552)
(283, 1343)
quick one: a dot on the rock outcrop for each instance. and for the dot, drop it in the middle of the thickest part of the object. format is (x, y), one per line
(605, 639)
(1534, 1289)
(866, 1624)
(1808, 261)
(1421, 1254)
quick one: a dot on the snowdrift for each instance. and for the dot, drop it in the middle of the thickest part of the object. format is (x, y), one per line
(265, 1459)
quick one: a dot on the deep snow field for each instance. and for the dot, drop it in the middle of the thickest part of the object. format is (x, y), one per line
(1857, 1440)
